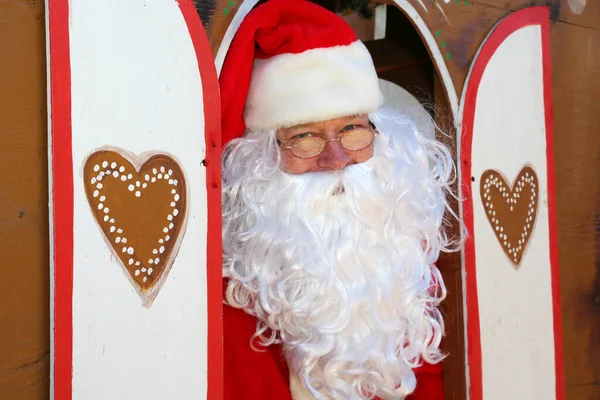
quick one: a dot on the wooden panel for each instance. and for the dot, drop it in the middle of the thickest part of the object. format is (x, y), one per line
(576, 87)
(455, 385)
(133, 205)
(216, 16)
(24, 287)
(460, 26)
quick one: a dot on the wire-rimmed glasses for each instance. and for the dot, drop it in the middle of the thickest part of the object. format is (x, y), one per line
(353, 140)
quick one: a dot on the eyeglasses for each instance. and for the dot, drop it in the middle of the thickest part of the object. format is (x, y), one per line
(353, 140)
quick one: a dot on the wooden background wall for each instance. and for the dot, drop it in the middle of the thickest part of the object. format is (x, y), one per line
(24, 236)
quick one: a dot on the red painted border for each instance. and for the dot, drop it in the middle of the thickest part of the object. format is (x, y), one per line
(212, 132)
(62, 195)
(512, 23)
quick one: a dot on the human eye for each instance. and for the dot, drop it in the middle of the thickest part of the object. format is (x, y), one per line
(350, 127)
(301, 136)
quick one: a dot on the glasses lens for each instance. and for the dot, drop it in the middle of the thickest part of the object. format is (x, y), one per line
(357, 139)
(308, 147)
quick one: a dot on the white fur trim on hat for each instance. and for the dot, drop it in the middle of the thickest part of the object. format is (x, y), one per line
(316, 85)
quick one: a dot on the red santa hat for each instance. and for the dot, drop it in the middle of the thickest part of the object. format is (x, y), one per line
(293, 62)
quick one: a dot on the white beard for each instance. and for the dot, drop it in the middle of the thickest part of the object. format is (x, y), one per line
(339, 266)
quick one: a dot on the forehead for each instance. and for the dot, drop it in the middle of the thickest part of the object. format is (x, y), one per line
(329, 124)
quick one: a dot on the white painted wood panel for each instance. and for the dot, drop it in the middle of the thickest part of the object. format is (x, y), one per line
(136, 85)
(515, 304)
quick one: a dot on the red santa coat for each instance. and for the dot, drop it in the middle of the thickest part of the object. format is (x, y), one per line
(253, 375)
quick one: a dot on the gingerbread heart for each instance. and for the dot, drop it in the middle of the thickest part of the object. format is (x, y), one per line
(511, 211)
(140, 206)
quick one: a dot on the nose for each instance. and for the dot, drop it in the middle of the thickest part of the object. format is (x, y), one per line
(333, 157)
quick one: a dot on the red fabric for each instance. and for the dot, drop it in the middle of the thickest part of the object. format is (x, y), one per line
(273, 28)
(252, 375)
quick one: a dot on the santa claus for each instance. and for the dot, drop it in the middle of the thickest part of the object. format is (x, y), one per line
(333, 219)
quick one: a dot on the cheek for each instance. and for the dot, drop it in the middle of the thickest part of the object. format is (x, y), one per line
(294, 165)
(361, 156)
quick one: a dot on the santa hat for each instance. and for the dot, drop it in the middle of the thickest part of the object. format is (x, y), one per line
(293, 62)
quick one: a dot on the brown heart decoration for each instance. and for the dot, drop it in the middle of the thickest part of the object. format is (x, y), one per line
(511, 211)
(140, 206)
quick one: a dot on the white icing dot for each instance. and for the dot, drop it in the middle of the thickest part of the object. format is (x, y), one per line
(150, 261)
(153, 179)
(143, 269)
(121, 168)
(165, 229)
(124, 240)
(154, 251)
(162, 249)
(120, 230)
(130, 250)
(104, 164)
(170, 181)
(113, 165)
(167, 238)
(159, 176)
(145, 279)
(123, 178)
(93, 180)
(96, 193)
(137, 193)
(147, 177)
(171, 226)
(149, 271)
(160, 241)
(130, 261)
(115, 174)
(112, 229)
(137, 263)
(162, 169)
(112, 220)
(118, 239)
(176, 197)
(154, 171)
(144, 185)
(175, 191)
(137, 183)
(156, 260)
(106, 210)
(131, 187)
(129, 176)
(170, 172)
(106, 218)
(175, 212)
(99, 186)
(96, 167)
(102, 198)
(100, 206)
(169, 217)
(124, 250)
(137, 272)
(166, 176)
(173, 204)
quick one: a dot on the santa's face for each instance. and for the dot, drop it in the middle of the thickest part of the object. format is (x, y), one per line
(338, 264)
(333, 156)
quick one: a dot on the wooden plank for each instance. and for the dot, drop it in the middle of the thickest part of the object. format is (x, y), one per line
(454, 373)
(216, 16)
(24, 287)
(576, 87)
